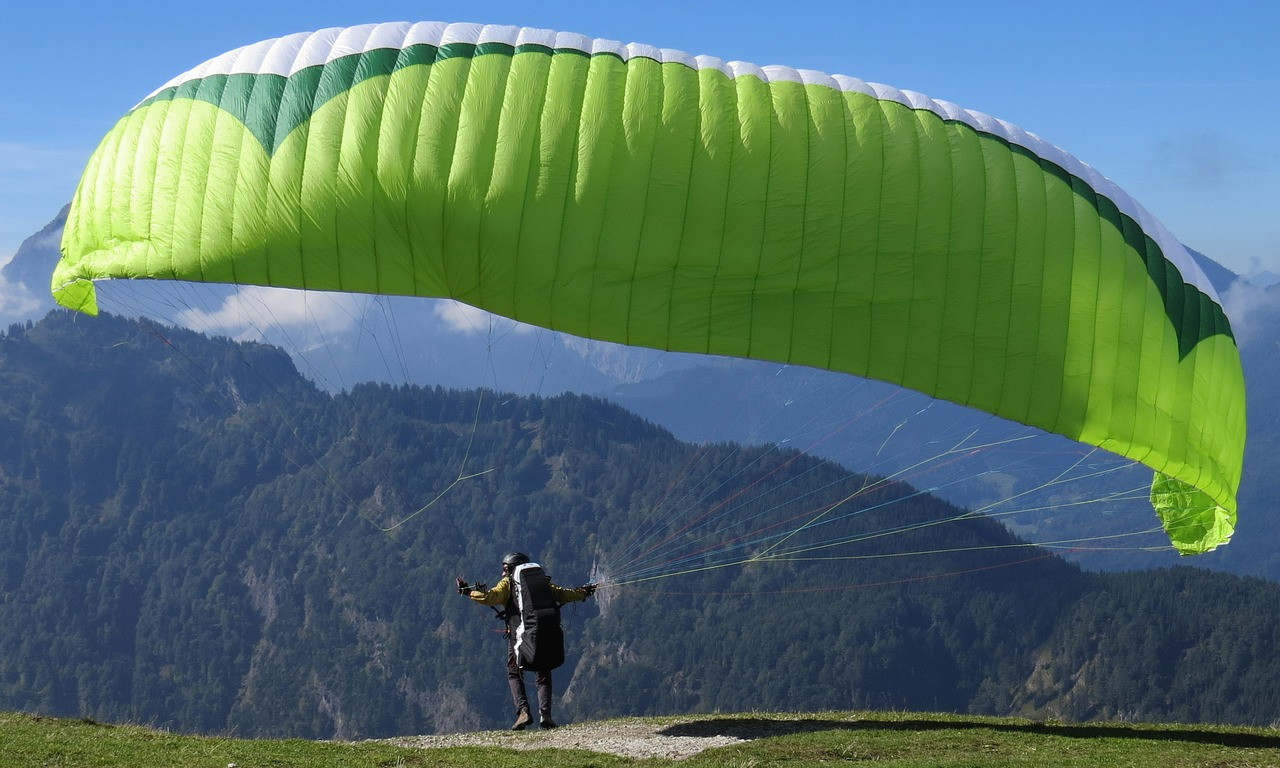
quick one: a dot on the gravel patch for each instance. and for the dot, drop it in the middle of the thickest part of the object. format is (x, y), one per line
(630, 738)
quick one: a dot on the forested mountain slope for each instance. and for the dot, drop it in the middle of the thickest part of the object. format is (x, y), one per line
(193, 536)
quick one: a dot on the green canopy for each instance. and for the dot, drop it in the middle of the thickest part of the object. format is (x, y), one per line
(648, 197)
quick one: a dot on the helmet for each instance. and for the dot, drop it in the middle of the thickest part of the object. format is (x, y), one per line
(513, 559)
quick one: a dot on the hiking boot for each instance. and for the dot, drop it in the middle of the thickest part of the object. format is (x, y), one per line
(522, 719)
(548, 723)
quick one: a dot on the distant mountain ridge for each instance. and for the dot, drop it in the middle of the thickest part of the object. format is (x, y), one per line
(32, 264)
(196, 537)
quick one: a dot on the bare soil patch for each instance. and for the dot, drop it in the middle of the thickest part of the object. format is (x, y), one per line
(674, 740)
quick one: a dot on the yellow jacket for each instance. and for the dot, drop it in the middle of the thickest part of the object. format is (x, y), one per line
(500, 594)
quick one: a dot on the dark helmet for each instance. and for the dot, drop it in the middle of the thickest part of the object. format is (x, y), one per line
(512, 559)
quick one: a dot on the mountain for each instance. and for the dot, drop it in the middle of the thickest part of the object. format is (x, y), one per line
(1219, 276)
(197, 537)
(961, 455)
(33, 262)
(1265, 279)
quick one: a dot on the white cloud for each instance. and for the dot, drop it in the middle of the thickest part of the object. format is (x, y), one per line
(256, 312)
(464, 318)
(1250, 309)
(16, 302)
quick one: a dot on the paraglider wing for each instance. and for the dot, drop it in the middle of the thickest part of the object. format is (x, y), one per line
(647, 197)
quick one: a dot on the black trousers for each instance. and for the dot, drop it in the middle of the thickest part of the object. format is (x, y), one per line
(515, 676)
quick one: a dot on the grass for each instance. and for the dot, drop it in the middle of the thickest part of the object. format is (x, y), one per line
(901, 740)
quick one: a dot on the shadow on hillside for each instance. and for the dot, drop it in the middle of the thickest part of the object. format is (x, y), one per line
(764, 727)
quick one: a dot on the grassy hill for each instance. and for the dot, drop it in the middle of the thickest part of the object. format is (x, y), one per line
(887, 739)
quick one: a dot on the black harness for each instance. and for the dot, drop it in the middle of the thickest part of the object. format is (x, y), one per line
(533, 619)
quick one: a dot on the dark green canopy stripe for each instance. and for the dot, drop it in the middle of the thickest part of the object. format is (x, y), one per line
(273, 106)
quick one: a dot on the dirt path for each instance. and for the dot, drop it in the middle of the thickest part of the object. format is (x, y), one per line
(628, 738)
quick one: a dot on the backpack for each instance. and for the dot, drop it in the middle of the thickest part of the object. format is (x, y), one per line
(538, 639)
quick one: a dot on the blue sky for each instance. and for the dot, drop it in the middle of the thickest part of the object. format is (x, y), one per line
(1175, 101)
